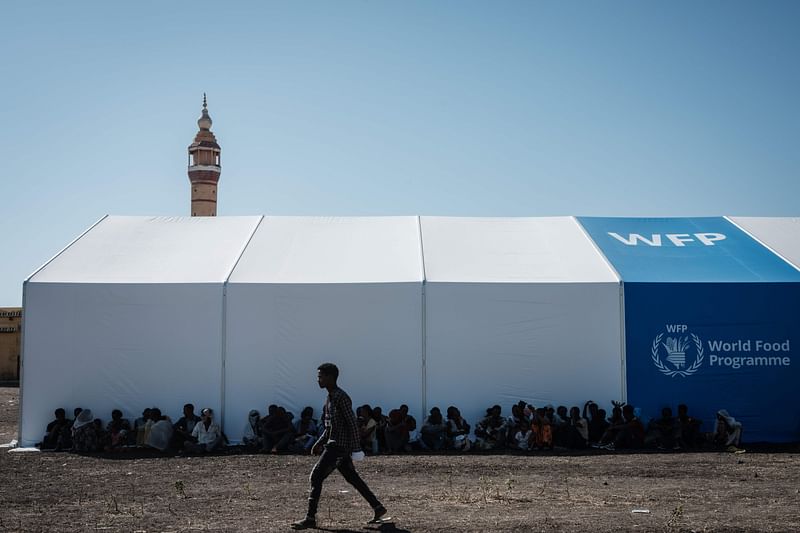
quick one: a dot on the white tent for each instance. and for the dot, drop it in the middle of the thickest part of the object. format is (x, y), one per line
(781, 235)
(127, 316)
(311, 289)
(518, 308)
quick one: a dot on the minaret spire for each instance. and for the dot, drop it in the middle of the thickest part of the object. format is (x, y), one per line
(204, 166)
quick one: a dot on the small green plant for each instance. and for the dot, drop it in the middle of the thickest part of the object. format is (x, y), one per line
(180, 489)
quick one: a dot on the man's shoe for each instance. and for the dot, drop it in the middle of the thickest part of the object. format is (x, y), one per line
(380, 512)
(305, 523)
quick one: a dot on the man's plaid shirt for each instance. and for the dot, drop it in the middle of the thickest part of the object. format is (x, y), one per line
(341, 430)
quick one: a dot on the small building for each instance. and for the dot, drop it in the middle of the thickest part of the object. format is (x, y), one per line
(10, 337)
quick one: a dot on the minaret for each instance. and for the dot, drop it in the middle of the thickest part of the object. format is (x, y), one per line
(204, 167)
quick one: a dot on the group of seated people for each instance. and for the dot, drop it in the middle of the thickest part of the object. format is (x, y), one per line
(84, 433)
(528, 428)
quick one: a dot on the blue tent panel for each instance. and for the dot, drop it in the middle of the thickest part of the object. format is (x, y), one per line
(709, 249)
(717, 346)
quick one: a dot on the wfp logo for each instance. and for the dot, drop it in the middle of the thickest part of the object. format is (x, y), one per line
(675, 351)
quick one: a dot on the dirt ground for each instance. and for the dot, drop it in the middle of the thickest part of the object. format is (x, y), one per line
(596, 491)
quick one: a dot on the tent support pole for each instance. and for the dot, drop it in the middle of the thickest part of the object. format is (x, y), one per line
(424, 326)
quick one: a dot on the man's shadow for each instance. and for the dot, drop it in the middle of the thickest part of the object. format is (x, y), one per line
(388, 527)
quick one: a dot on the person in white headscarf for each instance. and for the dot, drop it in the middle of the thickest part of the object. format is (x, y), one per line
(160, 430)
(84, 435)
(251, 432)
(727, 430)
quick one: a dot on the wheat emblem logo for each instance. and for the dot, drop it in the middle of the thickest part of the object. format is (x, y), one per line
(676, 355)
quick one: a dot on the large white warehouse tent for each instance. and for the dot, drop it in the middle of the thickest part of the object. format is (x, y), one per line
(236, 313)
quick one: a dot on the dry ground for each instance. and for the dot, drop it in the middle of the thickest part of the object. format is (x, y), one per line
(593, 492)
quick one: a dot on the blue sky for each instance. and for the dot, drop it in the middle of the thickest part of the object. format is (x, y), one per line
(355, 108)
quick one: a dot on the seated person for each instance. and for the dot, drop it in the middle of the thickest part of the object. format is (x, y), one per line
(206, 435)
(688, 428)
(397, 432)
(380, 427)
(251, 436)
(457, 430)
(515, 422)
(578, 433)
(84, 433)
(434, 431)
(559, 421)
(598, 426)
(140, 427)
(182, 429)
(367, 429)
(58, 434)
(663, 433)
(727, 430)
(306, 431)
(541, 431)
(118, 431)
(629, 433)
(158, 430)
(491, 431)
(276, 430)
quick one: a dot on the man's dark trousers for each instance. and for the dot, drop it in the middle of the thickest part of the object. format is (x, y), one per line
(334, 458)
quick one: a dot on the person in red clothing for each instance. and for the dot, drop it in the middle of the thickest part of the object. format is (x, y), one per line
(338, 442)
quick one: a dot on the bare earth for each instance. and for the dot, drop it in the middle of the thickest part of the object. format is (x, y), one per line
(550, 492)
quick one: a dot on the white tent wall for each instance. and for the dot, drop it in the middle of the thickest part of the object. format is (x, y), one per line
(518, 308)
(129, 316)
(278, 334)
(781, 235)
(309, 290)
(548, 343)
(115, 346)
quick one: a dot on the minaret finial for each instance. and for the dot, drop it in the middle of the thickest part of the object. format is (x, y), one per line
(205, 103)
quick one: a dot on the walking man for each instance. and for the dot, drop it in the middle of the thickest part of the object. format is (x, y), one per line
(339, 440)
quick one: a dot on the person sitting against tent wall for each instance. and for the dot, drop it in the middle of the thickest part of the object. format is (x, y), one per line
(727, 430)
(118, 431)
(491, 430)
(58, 434)
(380, 427)
(251, 435)
(158, 430)
(306, 431)
(663, 433)
(367, 429)
(457, 430)
(140, 427)
(397, 432)
(627, 433)
(84, 433)
(689, 436)
(578, 432)
(433, 434)
(182, 429)
(206, 435)
(541, 430)
(276, 430)
(517, 422)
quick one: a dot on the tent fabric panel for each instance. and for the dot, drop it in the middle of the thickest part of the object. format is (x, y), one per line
(332, 250)
(278, 334)
(545, 249)
(782, 235)
(543, 343)
(136, 249)
(708, 249)
(736, 345)
(114, 346)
